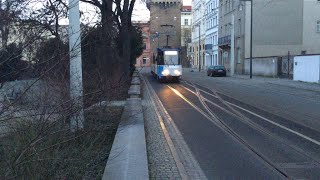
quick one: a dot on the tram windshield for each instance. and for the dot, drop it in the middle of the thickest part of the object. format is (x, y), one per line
(171, 58)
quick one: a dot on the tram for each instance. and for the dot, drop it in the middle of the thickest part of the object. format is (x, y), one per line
(166, 65)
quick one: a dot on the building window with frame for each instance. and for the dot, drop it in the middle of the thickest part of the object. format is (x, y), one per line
(144, 60)
(318, 26)
(239, 56)
(239, 27)
(186, 22)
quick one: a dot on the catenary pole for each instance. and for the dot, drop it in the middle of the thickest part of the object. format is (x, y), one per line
(76, 87)
(232, 47)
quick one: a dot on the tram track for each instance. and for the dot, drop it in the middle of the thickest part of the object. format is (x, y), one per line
(233, 110)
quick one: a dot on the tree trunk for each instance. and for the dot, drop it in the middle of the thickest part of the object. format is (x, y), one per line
(107, 58)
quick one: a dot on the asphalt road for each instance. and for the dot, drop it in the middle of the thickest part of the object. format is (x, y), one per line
(238, 138)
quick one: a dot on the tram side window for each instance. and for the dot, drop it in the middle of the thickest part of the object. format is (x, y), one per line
(160, 60)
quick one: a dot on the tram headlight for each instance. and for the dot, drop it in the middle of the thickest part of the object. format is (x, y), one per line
(165, 72)
(177, 72)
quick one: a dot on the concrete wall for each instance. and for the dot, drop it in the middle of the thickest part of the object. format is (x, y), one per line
(306, 68)
(262, 66)
(311, 38)
(277, 27)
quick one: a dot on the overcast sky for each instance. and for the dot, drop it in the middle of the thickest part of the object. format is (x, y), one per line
(141, 12)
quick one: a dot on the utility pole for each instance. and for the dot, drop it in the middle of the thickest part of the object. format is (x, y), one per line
(199, 48)
(288, 70)
(251, 20)
(76, 87)
(232, 47)
(251, 39)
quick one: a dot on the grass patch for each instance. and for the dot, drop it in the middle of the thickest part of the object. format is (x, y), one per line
(48, 150)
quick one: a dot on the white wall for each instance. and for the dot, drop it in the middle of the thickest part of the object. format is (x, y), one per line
(306, 68)
(311, 38)
(262, 66)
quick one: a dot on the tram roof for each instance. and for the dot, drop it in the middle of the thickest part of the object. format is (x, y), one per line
(168, 49)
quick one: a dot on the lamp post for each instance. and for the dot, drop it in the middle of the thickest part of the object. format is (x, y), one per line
(251, 20)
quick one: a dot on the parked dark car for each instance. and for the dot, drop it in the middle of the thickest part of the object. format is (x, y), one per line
(216, 71)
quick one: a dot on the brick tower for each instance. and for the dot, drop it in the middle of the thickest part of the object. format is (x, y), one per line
(165, 23)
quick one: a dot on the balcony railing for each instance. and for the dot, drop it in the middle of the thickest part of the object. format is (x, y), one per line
(226, 40)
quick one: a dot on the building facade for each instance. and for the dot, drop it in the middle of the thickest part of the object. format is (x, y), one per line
(212, 29)
(279, 28)
(198, 33)
(186, 22)
(143, 63)
(228, 10)
(165, 24)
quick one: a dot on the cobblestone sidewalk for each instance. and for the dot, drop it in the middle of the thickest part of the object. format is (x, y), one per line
(160, 160)
(168, 154)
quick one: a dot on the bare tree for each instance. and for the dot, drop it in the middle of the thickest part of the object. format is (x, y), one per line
(10, 10)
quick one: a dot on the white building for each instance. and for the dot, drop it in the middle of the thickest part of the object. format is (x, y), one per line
(186, 27)
(212, 28)
(186, 22)
(198, 27)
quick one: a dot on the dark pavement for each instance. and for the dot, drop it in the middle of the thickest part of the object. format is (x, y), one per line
(235, 139)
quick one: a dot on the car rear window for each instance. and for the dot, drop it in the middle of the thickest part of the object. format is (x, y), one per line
(219, 67)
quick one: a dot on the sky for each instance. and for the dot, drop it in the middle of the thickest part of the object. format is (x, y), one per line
(141, 12)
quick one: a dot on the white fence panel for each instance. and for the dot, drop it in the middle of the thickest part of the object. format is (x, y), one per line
(306, 68)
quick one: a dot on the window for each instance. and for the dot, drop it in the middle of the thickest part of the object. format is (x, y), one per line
(185, 22)
(226, 7)
(239, 56)
(232, 5)
(239, 26)
(318, 26)
(144, 60)
(215, 59)
(144, 45)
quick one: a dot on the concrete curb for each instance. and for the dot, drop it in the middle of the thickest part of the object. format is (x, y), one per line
(128, 156)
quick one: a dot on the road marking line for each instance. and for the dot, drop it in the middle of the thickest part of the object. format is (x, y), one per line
(263, 118)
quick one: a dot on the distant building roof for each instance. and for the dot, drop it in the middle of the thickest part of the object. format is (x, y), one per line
(186, 8)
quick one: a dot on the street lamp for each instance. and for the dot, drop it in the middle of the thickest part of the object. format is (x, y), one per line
(250, 36)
